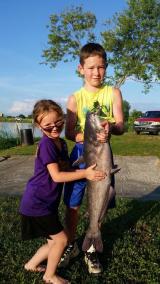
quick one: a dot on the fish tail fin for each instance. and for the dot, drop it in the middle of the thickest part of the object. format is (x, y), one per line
(95, 240)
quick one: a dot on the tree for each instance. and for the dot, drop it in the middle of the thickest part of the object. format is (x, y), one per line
(67, 33)
(133, 115)
(133, 42)
(21, 116)
(126, 108)
(136, 113)
(131, 39)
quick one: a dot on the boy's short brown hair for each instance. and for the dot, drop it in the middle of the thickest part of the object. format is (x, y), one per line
(91, 49)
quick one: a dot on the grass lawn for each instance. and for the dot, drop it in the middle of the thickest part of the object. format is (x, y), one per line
(131, 235)
(131, 232)
(126, 144)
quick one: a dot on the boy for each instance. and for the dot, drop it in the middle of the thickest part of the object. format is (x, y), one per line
(93, 64)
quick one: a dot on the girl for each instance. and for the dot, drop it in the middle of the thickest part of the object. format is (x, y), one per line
(39, 204)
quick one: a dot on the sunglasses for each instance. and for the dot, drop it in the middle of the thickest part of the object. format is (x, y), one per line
(59, 124)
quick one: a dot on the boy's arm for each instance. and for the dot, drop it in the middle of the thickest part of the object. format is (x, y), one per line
(71, 119)
(118, 127)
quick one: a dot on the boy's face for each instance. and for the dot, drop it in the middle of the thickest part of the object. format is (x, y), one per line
(93, 70)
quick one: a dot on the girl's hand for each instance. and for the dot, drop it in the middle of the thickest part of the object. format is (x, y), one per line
(105, 134)
(94, 175)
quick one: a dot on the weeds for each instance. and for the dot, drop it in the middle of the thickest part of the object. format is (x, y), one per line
(7, 140)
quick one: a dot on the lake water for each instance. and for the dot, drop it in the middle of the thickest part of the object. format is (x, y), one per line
(13, 128)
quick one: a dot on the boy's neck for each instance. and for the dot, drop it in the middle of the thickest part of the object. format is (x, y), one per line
(92, 89)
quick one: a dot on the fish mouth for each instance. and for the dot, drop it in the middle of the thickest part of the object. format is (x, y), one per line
(95, 124)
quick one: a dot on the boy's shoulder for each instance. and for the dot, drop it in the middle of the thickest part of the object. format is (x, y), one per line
(78, 91)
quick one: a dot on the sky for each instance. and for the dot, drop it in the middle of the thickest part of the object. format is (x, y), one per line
(24, 35)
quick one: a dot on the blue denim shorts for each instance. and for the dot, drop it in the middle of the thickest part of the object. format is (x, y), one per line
(74, 191)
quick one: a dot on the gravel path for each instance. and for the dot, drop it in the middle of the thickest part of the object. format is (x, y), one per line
(139, 177)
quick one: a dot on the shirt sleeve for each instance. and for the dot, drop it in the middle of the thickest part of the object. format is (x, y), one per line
(48, 152)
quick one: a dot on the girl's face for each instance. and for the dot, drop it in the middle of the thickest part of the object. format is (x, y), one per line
(51, 124)
(93, 70)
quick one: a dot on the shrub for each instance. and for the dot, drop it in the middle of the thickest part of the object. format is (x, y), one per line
(7, 140)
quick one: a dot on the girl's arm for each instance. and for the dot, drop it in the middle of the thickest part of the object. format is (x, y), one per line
(89, 173)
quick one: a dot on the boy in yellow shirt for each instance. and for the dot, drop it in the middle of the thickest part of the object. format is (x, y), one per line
(93, 64)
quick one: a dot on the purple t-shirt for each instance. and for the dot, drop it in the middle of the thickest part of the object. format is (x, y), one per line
(42, 195)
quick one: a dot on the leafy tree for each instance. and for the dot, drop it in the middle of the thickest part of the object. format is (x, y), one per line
(133, 115)
(21, 116)
(136, 113)
(67, 33)
(131, 39)
(133, 42)
(126, 108)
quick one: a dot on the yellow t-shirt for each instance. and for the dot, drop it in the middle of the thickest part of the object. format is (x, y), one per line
(89, 101)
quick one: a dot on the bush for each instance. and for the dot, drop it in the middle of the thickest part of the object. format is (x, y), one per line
(7, 141)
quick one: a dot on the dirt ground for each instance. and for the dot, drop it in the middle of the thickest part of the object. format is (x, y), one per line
(139, 177)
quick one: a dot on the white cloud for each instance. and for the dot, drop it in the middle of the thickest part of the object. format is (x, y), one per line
(24, 107)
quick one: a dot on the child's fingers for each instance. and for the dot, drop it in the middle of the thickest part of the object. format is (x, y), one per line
(100, 174)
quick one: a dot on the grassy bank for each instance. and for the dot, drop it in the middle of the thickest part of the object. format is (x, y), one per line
(131, 234)
(127, 144)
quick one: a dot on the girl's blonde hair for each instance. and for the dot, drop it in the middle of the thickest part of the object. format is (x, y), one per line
(42, 107)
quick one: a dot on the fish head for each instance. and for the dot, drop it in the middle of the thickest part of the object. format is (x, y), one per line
(93, 122)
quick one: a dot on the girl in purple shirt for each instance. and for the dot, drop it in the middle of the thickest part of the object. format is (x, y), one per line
(40, 201)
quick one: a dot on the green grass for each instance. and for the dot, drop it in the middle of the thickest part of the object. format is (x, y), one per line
(131, 235)
(131, 232)
(125, 145)
(139, 145)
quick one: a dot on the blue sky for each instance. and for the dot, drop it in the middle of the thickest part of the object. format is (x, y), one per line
(23, 34)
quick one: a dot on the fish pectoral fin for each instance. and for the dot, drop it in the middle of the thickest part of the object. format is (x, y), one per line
(115, 170)
(79, 161)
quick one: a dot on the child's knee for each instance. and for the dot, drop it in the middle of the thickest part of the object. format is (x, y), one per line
(63, 242)
(65, 239)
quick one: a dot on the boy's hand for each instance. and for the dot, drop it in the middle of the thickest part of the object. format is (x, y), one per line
(94, 175)
(105, 134)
